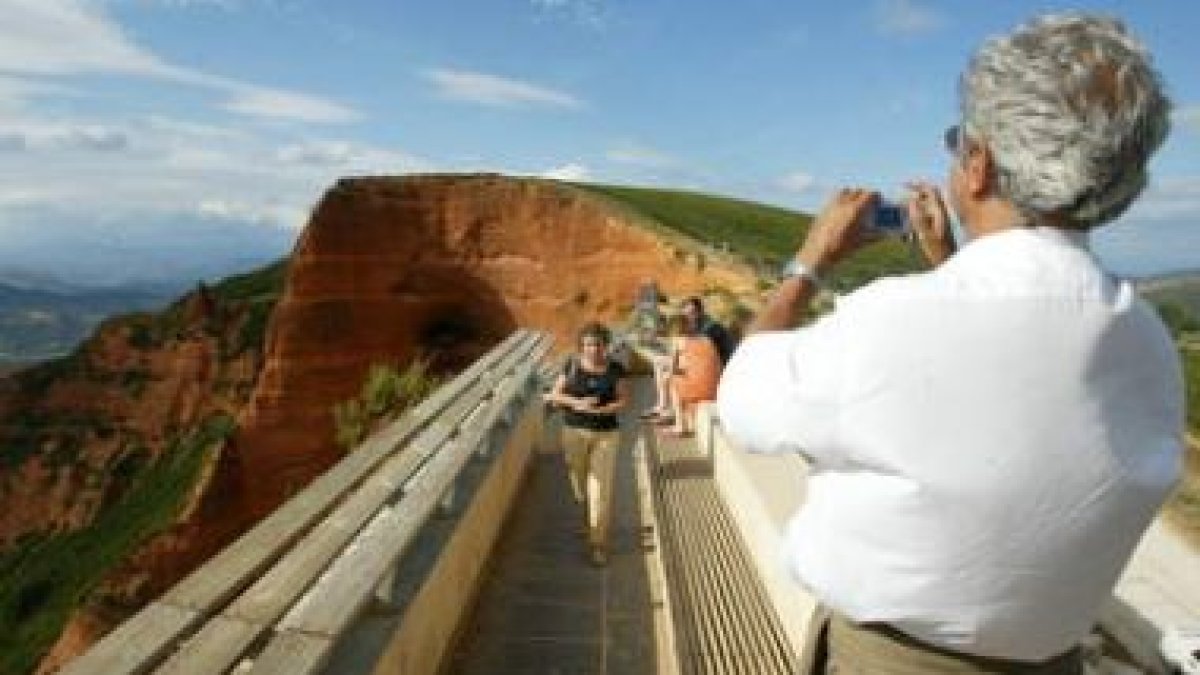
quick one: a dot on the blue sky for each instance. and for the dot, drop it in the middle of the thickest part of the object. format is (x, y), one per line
(138, 133)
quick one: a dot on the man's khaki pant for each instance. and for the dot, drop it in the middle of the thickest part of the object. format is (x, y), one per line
(590, 456)
(877, 649)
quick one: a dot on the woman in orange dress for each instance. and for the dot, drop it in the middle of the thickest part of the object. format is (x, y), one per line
(696, 373)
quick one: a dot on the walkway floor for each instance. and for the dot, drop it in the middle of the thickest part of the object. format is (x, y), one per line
(544, 608)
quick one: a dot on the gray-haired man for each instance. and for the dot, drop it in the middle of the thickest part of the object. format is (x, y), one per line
(989, 439)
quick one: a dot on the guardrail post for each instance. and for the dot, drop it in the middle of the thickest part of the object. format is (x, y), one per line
(484, 449)
(448, 503)
(382, 600)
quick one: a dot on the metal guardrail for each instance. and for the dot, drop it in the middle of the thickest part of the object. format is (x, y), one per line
(278, 599)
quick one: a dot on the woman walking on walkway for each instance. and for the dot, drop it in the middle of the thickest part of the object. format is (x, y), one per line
(592, 391)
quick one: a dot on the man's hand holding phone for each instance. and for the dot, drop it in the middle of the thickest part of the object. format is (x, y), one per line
(837, 230)
(930, 222)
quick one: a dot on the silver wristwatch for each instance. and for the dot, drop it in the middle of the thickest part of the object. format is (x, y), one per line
(795, 268)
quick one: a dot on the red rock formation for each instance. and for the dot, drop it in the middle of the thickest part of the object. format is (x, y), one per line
(388, 268)
(109, 398)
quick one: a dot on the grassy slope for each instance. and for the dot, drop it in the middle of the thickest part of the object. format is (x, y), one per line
(760, 234)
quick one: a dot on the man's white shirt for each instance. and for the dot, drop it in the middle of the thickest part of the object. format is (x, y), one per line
(988, 442)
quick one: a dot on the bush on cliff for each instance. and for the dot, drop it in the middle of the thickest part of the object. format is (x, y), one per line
(386, 392)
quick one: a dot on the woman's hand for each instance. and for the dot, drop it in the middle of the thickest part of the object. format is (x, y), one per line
(930, 222)
(587, 404)
(837, 230)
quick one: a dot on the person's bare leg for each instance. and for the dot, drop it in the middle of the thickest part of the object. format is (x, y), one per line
(678, 409)
(662, 388)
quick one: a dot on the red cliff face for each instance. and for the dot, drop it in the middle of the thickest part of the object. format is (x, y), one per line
(387, 269)
(119, 397)
(391, 268)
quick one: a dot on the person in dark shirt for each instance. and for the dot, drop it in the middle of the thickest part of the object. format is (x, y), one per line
(701, 323)
(592, 391)
(668, 373)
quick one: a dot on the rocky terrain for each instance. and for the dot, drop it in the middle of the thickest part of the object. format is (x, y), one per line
(227, 396)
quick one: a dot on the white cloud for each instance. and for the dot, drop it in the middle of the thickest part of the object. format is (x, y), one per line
(15, 92)
(799, 182)
(21, 197)
(640, 155)
(66, 37)
(262, 102)
(165, 166)
(187, 129)
(1177, 197)
(71, 37)
(258, 213)
(56, 137)
(1188, 117)
(353, 157)
(491, 90)
(906, 17)
(571, 171)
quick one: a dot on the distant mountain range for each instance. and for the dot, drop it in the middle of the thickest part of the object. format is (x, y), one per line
(60, 274)
(49, 318)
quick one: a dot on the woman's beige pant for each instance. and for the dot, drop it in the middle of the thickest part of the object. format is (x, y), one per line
(590, 456)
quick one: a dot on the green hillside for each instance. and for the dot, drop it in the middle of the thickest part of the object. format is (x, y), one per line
(762, 235)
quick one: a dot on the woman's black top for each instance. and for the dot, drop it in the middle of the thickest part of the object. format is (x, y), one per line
(583, 383)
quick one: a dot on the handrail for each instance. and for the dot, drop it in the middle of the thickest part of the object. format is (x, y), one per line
(328, 608)
(223, 607)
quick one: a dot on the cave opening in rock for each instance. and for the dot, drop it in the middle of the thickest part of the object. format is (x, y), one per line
(447, 332)
(454, 336)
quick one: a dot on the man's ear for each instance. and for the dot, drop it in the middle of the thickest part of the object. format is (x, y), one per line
(979, 170)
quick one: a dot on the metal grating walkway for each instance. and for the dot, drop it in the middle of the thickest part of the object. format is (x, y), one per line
(723, 623)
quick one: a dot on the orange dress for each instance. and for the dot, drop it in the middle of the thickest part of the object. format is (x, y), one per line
(700, 366)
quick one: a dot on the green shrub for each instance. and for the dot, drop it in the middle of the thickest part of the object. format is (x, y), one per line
(1177, 318)
(253, 333)
(349, 424)
(1191, 376)
(141, 335)
(385, 393)
(264, 283)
